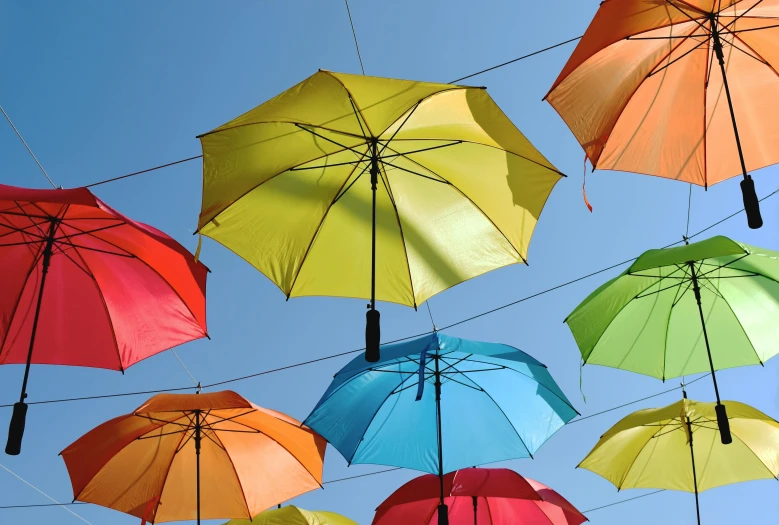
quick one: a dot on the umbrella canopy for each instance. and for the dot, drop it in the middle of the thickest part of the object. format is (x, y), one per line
(440, 403)
(680, 311)
(676, 448)
(478, 497)
(677, 89)
(105, 291)
(148, 463)
(291, 515)
(373, 188)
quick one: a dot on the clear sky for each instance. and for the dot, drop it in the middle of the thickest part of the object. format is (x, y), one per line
(100, 89)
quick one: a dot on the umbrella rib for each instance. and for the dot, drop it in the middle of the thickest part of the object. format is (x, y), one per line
(754, 56)
(357, 114)
(345, 190)
(452, 365)
(325, 166)
(478, 208)
(675, 60)
(413, 109)
(288, 122)
(314, 237)
(388, 188)
(759, 359)
(505, 416)
(385, 163)
(742, 15)
(431, 148)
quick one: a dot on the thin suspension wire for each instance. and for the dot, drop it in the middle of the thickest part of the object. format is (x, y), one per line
(359, 56)
(624, 501)
(197, 384)
(342, 354)
(28, 148)
(354, 34)
(430, 313)
(64, 507)
(361, 475)
(143, 171)
(523, 57)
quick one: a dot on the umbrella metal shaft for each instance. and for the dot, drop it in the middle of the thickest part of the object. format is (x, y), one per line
(197, 460)
(697, 290)
(443, 515)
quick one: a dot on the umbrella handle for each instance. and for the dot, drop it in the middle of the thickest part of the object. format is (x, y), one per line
(13, 446)
(751, 203)
(372, 335)
(443, 515)
(723, 424)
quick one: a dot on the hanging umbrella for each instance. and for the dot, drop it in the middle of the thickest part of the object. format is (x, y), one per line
(291, 515)
(105, 291)
(664, 87)
(148, 463)
(488, 402)
(676, 448)
(477, 496)
(679, 311)
(373, 188)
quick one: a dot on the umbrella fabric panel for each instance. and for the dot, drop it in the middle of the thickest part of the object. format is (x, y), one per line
(475, 431)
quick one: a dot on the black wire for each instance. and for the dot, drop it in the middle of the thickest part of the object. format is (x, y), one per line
(326, 358)
(354, 34)
(624, 501)
(362, 475)
(534, 53)
(636, 401)
(143, 171)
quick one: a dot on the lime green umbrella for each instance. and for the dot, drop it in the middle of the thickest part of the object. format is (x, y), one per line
(701, 307)
(291, 515)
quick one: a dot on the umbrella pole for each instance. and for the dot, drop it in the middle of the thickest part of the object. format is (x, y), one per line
(751, 204)
(722, 414)
(475, 509)
(13, 446)
(197, 461)
(443, 510)
(372, 326)
(694, 475)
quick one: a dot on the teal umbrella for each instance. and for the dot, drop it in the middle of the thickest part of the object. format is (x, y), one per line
(678, 311)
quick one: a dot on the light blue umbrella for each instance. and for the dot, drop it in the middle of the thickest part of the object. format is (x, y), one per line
(439, 404)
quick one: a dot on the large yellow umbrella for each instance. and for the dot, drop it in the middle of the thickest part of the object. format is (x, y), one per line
(678, 448)
(374, 188)
(291, 515)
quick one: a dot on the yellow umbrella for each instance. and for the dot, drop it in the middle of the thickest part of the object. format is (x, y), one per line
(678, 448)
(292, 515)
(374, 188)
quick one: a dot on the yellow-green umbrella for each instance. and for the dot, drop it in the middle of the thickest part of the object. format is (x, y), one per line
(678, 448)
(292, 515)
(374, 188)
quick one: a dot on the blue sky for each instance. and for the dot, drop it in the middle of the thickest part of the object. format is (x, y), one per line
(100, 89)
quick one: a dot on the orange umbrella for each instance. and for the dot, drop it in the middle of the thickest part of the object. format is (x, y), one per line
(148, 463)
(657, 87)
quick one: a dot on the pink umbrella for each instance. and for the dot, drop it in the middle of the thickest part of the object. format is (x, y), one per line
(478, 496)
(83, 285)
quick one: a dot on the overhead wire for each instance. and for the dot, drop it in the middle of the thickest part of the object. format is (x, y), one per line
(64, 506)
(357, 350)
(18, 134)
(354, 34)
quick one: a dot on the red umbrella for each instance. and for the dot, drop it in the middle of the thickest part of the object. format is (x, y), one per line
(106, 291)
(477, 496)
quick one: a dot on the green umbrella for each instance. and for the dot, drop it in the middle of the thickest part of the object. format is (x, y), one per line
(701, 307)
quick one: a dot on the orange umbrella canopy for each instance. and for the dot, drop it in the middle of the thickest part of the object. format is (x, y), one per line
(145, 463)
(644, 90)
